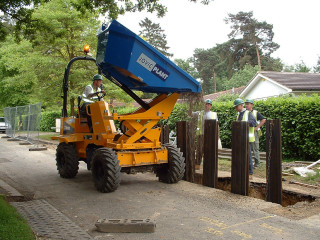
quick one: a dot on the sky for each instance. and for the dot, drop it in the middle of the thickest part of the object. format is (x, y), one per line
(191, 25)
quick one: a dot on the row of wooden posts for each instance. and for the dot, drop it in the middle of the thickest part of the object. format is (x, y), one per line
(240, 155)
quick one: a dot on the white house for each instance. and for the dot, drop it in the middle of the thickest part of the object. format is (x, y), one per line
(268, 84)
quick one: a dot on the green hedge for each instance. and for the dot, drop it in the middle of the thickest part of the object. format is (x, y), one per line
(300, 124)
(48, 120)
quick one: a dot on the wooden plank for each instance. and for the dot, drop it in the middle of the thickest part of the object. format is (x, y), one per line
(210, 159)
(240, 158)
(287, 174)
(303, 162)
(190, 151)
(274, 161)
(303, 184)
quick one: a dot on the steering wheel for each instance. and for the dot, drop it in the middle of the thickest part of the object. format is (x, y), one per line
(100, 96)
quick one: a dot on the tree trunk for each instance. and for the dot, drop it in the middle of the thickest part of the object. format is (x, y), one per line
(214, 81)
(258, 55)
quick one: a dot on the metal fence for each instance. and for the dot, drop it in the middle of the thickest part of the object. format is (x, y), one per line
(23, 122)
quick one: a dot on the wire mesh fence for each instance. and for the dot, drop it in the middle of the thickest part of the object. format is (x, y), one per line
(23, 122)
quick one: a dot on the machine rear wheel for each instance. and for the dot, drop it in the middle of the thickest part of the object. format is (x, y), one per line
(67, 160)
(105, 170)
(173, 171)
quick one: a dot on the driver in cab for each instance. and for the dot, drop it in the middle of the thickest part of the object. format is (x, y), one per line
(92, 94)
(91, 91)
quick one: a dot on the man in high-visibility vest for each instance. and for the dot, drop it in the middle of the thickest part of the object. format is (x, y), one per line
(257, 131)
(90, 95)
(202, 116)
(91, 91)
(245, 115)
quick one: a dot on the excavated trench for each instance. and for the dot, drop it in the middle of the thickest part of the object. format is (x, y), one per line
(258, 190)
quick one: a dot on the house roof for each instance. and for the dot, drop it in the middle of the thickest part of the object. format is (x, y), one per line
(295, 81)
(216, 95)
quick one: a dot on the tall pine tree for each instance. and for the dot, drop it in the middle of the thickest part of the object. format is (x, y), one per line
(248, 35)
(154, 35)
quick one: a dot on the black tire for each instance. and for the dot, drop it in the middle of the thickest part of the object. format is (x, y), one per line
(172, 172)
(105, 170)
(67, 160)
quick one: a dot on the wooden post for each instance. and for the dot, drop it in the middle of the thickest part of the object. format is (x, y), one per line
(274, 161)
(190, 161)
(240, 158)
(182, 136)
(210, 159)
(185, 141)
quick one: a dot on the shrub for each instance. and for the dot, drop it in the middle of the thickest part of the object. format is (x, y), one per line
(48, 120)
(300, 125)
(179, 113)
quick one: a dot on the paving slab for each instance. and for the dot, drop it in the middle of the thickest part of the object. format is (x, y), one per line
(126, 225)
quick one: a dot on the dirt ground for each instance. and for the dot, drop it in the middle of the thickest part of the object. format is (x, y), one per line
(297, 202)
(183, 209)
(300, 199)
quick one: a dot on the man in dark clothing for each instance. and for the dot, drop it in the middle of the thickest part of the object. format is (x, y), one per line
(244, 115)
(257, 131)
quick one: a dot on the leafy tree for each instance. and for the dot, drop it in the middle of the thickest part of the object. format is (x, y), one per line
(316, 68)
(242, 77)
(21, 10)
(288, 68)
(40, 65)
(6, 25)
(18, 10)
(188, 66)
(252, 35)
(298, 67)
(16, 81)
(211, 69)
(231, 53)
(153, 34)
(204, 61)
(271, 64)
(60, 36)
(302, 67)
(227, 97)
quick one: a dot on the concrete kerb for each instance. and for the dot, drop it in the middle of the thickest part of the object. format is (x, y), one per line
(11, 192)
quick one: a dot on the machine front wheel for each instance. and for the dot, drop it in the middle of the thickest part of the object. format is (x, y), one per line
(173, 171)
(67, 160)
(105, 170)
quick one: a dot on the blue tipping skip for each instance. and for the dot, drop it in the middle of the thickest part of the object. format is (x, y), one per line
(136, 64)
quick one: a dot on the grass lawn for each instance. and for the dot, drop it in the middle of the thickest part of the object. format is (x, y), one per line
(13, 226)
(47, 135)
